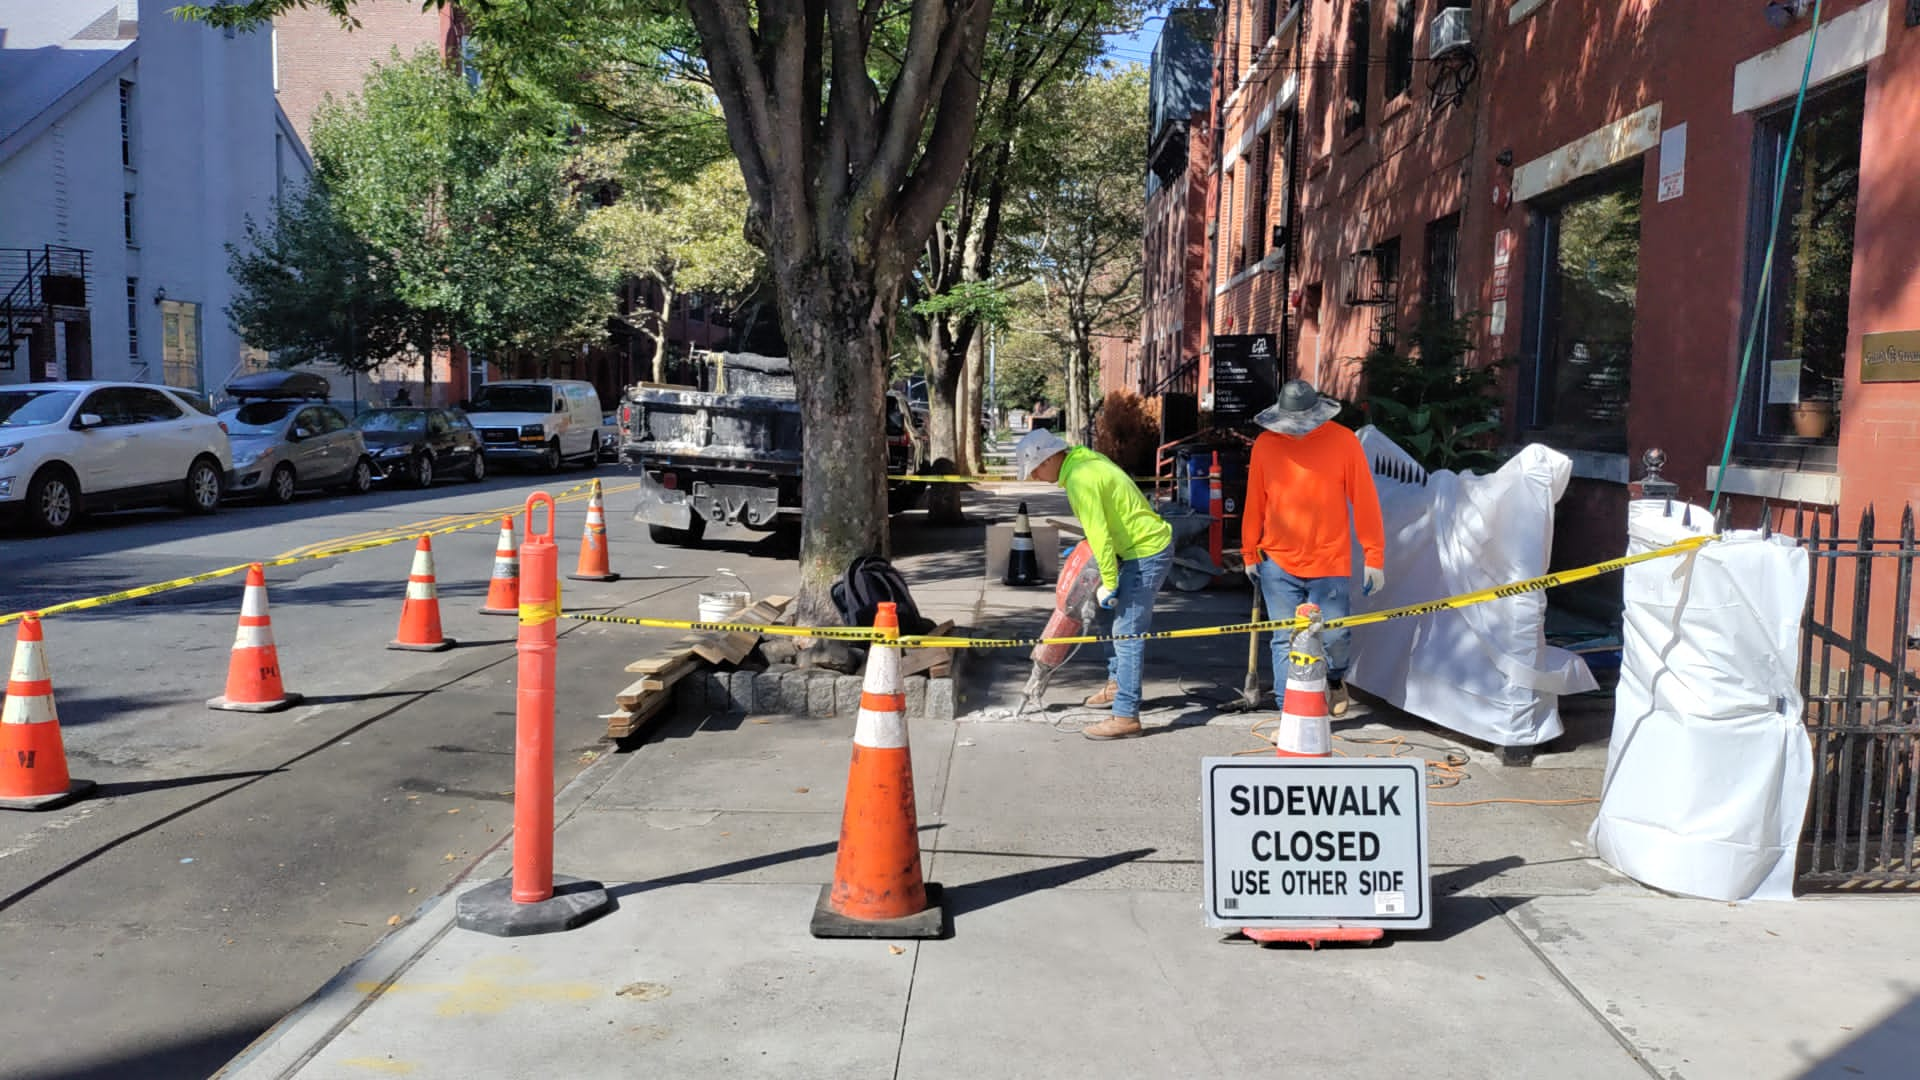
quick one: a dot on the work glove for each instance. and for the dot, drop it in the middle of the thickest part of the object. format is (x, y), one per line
(1373, 579)
(1105, 596)
(1253, 573)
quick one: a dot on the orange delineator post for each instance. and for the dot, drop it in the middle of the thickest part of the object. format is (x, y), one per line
(533, 718)
(533, 899)
(1217, 509)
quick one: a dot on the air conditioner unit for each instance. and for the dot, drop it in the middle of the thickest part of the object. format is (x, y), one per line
(1449, 33)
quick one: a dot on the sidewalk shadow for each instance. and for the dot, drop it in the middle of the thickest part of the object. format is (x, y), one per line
(738, 866)
(1455, 914)
(980, 895)
(117, 788)
(188, 1057)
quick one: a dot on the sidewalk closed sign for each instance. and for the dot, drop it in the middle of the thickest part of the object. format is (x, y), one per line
(1316, 842)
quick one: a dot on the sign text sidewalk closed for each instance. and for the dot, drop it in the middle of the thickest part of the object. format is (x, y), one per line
(1316, 842)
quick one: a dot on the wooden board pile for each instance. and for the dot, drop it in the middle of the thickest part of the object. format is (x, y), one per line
(648, 696)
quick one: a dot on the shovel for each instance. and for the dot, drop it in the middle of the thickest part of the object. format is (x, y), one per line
(1249, 699)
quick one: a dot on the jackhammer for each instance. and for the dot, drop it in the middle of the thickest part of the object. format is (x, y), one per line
(1075, 603)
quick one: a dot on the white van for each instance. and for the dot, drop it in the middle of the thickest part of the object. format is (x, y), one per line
(540, 421)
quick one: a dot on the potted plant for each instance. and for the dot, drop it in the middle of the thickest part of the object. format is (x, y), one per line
(1813, 413)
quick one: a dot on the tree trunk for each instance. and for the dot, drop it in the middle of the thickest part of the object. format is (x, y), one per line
(1079, 386)
(836, 332)
(944, 372)
(972, 445)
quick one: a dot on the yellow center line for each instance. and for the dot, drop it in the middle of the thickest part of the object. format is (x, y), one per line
(448, 521)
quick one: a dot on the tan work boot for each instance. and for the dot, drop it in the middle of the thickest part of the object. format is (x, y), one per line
(1104, 698)
(1113, 727)
(1337, 698)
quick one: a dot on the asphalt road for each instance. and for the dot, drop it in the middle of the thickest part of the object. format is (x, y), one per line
(230, 863)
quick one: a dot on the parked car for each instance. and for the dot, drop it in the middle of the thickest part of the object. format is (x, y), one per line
(546, 421)
(286, 438)
(610, 436)
(420, 444)
(71, 447)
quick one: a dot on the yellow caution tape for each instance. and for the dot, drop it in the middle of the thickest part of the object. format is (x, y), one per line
(539, 614)
(298, 555)
(911, 641)
(994, 478)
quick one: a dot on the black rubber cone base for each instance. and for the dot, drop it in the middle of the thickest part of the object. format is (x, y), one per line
(593, 577)
(930, 923)
(75, 789)
(491, 909)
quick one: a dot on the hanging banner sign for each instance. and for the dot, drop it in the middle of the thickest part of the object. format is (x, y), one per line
(1316, 842)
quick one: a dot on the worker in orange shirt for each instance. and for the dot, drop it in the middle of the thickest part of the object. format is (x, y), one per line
(1305, 474)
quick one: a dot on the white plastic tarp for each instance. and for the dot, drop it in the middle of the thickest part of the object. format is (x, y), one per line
(1709, 768)
(1486, 670)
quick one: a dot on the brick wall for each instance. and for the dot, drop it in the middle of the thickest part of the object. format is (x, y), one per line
(315, 57)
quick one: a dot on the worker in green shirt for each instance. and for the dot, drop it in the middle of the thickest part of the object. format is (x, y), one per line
(1132, 544)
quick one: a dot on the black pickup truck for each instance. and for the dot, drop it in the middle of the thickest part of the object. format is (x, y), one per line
(730, 453)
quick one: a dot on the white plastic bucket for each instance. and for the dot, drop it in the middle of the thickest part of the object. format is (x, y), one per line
(721, 606)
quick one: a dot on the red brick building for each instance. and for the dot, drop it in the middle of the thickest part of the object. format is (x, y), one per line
(1174, 287)
(1593, 181)
(313, 57)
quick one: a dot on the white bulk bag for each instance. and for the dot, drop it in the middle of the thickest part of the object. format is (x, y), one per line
(1709, 767)
(1486, 670)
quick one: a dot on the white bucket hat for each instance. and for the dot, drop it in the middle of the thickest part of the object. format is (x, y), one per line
(1034, 448)
(1300, 409)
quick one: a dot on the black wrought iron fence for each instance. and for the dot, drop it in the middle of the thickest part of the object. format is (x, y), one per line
(1858, 656)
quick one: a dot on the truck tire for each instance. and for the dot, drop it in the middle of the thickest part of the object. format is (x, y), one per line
(688, 537)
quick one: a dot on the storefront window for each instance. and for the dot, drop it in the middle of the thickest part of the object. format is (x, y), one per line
(1586, 267)
(1794, 381)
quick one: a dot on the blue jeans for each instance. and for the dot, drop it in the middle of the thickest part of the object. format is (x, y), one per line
(1281, 592)
(1140, 579)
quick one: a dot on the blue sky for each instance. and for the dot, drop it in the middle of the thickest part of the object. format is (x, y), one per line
(1137, 47)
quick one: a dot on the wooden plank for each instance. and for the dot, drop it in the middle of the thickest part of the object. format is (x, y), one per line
(691, 644)
(734, 647)
(916, 661)
(631, 722)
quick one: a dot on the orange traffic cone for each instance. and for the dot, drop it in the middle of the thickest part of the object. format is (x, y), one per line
(503, 591)
(420, 615)
(253, 672)
(33, 761)
(1304, 728)
(877, 889)
(593, 546)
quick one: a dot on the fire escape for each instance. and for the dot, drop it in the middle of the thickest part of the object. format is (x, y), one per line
(46, 289)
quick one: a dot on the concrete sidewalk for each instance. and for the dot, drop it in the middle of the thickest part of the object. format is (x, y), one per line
(1072, 872)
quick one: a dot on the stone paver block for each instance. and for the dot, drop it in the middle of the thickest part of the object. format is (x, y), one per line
(719, 694)
(939, 699)
(916, 695)
(740, 692)
(793, 693)
(769, 696)
(846, 695)
(820, 697)
(690, 695)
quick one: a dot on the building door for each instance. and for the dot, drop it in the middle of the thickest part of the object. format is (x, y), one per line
(1585, 270)
(180, 344)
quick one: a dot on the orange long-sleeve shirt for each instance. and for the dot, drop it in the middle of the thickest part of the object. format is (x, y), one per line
(1298, 491)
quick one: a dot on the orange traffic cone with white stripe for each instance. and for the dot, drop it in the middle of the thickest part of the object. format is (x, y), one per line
(593, 565)
(420, 615)
(503, 589)
(1304, 728)
(877, 889)
(253, 672)
(33, 761)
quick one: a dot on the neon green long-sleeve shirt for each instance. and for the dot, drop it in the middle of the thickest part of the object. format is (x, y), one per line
(1118, 520)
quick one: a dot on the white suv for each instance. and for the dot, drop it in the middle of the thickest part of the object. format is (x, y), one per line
(65, 446)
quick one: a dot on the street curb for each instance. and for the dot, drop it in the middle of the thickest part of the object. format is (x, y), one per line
(292, 1042)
